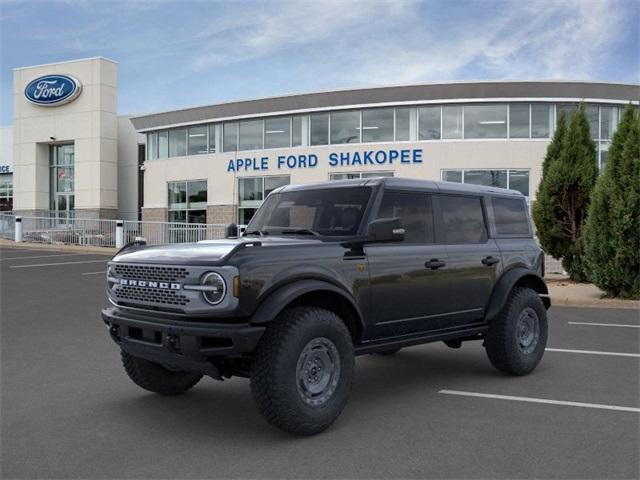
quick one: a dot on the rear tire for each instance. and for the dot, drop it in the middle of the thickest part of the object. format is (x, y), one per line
(155, 378)
(516, 339)
(302, 370)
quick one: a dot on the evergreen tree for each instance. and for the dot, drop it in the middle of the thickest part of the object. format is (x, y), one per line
(563, 198)
(612, 233)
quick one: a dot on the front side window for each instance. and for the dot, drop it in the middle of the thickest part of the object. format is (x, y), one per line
(452, 121)
(429, 123)
(187, 201)
(178, 142)
(277, 132)
(197, 140)
(485, 121)
(414, 210)
(510, 217)
(251, 135)
(377, 125)
(320, 129)
(345, 127)
(463, 219)
(332, 212)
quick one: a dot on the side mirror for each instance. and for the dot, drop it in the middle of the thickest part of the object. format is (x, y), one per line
(231, 231)
(386, 230)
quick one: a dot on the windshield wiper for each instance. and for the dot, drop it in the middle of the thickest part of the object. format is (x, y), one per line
(260, 233)
(301, 231)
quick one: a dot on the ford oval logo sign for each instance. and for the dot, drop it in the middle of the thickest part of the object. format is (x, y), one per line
(53, 90)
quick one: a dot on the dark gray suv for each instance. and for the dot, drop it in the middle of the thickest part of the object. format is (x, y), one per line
(325, 272)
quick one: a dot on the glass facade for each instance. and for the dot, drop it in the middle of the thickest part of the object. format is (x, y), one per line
(61, 179)
(357, 175)
(252, 191)
(6, 192)
(187, 201)
(512, 179)
(384, 124)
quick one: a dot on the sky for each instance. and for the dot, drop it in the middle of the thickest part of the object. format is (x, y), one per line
(176, 54)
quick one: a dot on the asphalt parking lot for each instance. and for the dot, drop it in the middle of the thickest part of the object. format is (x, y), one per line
(69, 411)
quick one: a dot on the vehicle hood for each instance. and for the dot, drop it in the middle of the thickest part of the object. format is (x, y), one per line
(207, 252)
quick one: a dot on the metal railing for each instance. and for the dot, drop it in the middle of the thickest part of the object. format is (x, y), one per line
(104, 233)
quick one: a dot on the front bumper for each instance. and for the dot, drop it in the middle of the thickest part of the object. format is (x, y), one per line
(178, 344)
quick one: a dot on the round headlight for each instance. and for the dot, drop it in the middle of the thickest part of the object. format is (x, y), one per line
(216, 288)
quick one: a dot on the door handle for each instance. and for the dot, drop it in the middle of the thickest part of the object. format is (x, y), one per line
(434, 264)
(488, 261)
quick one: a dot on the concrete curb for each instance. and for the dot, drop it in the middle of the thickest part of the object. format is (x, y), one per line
(66, 248)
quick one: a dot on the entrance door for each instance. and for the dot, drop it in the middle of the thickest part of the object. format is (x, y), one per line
(62, 180)
(407, 295)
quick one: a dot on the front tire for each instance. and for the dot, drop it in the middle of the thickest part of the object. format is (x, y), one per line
(155, 378)
(302, 370)
(516, 339)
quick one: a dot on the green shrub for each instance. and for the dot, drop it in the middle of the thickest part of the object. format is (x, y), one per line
(612, 233)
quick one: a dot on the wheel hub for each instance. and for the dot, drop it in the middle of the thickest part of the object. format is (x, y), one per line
(528, 330)
(318, 371)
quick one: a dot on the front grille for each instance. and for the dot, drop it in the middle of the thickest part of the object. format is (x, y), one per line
(151, 273)
(130, 293)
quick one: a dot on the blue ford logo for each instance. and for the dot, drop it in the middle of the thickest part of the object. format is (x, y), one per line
(53, 90)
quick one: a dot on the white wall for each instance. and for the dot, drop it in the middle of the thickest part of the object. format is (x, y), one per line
(6, 146)
(128, 170)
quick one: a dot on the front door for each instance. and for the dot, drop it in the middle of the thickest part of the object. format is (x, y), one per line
(408, 280)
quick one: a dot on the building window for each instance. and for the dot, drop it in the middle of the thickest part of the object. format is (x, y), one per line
(296, 131)
(403, 124)
(429, 123)
(541, 120)
(592, 113)
(6, 192)
(519, 120)
(512, 179)
(230, 137)
(357, 175)
(178, 142)
(188, 201)
(277, 132)
(485, 121)
(252, 192)
(197, 140)
(377, 125)
(212, 138)
(452, 122)
(62, 175)
(251, 135)
(320, 129)
(152, 146)
(163, 144)
(345, 127)
(608, 122)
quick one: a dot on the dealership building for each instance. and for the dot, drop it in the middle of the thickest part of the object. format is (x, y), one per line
(69, 150)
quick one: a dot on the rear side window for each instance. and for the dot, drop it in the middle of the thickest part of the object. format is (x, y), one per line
(462, 219)
(510, 217)
(414, 209)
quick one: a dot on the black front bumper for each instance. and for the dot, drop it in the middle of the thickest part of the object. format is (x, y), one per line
(180, 344)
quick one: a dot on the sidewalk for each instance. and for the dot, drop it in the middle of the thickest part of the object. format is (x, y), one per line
(565, 292)
(66, 248)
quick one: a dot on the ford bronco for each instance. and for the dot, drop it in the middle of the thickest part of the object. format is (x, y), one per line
(325, 272)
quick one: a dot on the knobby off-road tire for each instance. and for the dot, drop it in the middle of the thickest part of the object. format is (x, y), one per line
(302, 370)
(155, 378)
(516, 339)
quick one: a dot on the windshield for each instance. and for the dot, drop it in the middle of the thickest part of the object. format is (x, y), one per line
(325, 212)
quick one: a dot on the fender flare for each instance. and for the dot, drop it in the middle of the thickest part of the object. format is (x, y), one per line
(505, 284)
(282, 296)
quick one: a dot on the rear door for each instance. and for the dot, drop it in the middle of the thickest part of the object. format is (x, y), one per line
(474, 260)
(407, 296)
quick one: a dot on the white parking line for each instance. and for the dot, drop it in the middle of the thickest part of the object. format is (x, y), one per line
(61, 263)
(541, 400)
(593, 352)
(94, 273)
(41, 256)
(604, 324)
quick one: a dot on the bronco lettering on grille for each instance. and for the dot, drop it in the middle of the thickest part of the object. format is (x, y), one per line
(150, 284)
